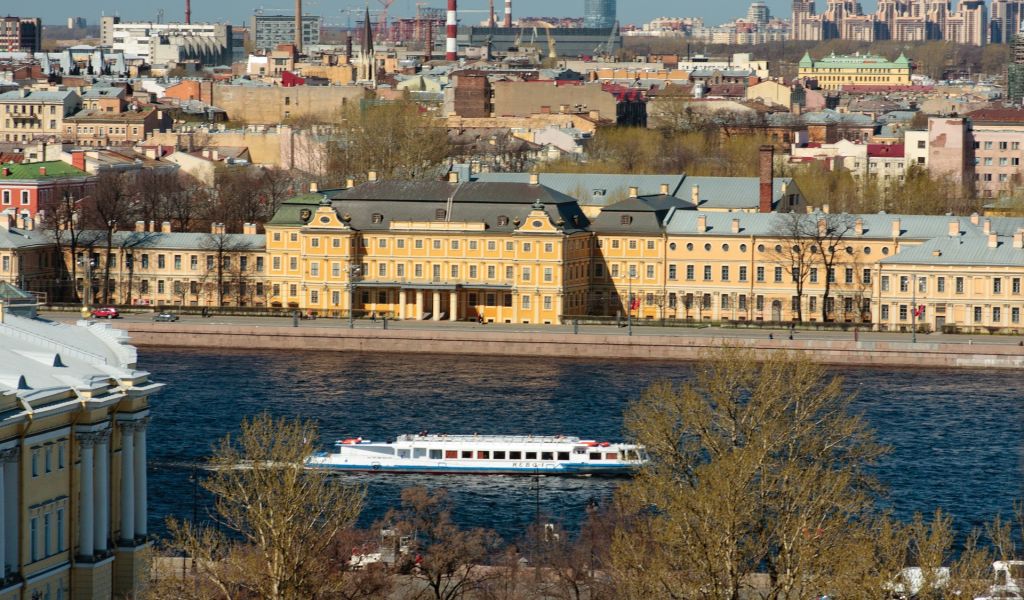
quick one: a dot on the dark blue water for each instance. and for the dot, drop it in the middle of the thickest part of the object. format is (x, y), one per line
(957, 435)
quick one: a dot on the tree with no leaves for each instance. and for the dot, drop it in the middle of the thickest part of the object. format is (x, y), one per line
(277, 522)
(756, 466)
(448, 559)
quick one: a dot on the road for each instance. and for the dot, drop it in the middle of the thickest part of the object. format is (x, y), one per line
(637, 330)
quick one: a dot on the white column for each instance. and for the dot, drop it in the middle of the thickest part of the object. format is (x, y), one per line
(141, 497)
(419, 305)
(86, 506)
(127, 481)
(401, 304)
(453, 305)
(558, 309)
(436, 308)
(3, 513)
(10, 515)
(102, 459)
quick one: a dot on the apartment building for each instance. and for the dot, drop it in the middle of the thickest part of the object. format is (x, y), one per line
(501, 252)
(73, 454)
(997, 134)
(30, 114)
(833, 72)
(26, 188)
(270, 30)
(98, 127)
(20, 35)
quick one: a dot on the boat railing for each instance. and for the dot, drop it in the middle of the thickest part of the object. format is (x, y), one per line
(512, 439)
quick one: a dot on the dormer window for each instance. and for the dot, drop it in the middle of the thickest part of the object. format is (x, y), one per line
(625, 220)
(502, 221)
(600, 192)
(377, 218)
(439, 214)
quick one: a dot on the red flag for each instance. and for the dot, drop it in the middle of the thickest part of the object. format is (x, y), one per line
(635, 304)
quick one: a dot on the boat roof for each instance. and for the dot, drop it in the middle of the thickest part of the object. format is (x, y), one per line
(506, 439)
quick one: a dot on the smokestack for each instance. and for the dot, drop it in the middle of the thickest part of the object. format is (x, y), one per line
(298, 26)
(508, 13)
(428, 47)
(451, 48)
(490, 19)
(188, 12)
(765, 171)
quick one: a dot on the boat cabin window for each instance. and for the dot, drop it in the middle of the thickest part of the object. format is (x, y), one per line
(451, 453)
(499, 455)
(595, 456)
(435, 454)
(579, 450)
(547, 456)
(612, 456)
(563, 456)
(483, 454)
(631, 455)
(419, 452)
(531, 456)
(515, 455)
(467, 454)
(403, 453)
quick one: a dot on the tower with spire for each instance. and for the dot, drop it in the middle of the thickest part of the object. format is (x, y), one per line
(367, 65)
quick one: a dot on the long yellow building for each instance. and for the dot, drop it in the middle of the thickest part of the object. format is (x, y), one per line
(833, 72)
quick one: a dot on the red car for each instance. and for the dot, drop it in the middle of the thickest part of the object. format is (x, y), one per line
(108, 312)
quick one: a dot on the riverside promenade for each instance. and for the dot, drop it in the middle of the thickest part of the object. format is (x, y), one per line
(647, 342)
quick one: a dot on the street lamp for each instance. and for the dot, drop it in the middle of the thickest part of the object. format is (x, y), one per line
(913, 308)
(87, 263)
(630, 273)
(354, 271)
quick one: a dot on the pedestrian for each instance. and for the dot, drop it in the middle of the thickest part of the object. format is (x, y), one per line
(771, 337)
(791, 337)
(373, 316)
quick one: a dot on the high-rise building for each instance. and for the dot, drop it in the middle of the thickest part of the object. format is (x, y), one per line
(268, 31)
(1015, 72)
(77, 23)
(1005, 21)
(758, 13)
(599, 13)
(20, 35)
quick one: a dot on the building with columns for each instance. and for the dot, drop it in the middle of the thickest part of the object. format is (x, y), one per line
(73, 449)
(502, 252)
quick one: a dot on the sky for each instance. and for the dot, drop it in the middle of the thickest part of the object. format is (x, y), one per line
(238, 11)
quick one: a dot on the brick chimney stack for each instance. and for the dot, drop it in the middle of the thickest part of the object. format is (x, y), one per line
(765, 168)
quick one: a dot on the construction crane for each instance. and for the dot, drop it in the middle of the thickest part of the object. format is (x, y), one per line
(382, 22)
(552, 53)
(605, 48)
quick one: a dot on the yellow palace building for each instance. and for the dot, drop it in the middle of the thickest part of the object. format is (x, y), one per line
(451, 250)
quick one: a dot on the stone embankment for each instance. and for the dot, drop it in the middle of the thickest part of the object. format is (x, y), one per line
(567, 345)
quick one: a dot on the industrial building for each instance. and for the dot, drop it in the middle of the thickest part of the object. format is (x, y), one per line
(270, 30)
(162, 43)
(568, 41)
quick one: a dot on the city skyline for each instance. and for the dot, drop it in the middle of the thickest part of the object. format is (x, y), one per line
(239, 11)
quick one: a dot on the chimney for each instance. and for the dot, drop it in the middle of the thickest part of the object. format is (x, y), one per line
(451, 48)
(896, 229)
(215, 155)
(313, 187)
(534, 179)
(695, 195)
(633, 191)
(7, 171)
(822, 227)
(453, 177)
(371, 176)
(42, 171)
(140, 227)
(165, 227)
(735, 225)
(987, 226)
(188, 12)
(78, 159)
(993, 240)
(824, 208)
(508, 14)
(664, 189)
(249, 228)
(152, 226)
(350, 183)
(1018, 240)
(858, 226)
(766, 159)
(954, 228)
(975, 218)
(298, 25)
(206, 153)
(702, 223)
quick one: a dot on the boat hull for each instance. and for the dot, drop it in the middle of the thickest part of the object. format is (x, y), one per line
(566, 470)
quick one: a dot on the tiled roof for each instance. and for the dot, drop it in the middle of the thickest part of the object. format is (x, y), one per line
(997, 115)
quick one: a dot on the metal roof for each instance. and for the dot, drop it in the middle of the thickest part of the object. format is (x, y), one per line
(960, 251)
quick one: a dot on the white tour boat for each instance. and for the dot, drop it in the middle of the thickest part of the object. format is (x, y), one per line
(483, 454)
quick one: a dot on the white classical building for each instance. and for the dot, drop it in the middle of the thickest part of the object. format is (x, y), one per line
(73, 416)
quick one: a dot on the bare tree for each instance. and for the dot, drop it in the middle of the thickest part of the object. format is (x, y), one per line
(795, 253)
(814, 239)
(185, 201)
(446, 558)
(61, 217)
(277, 523)
(112, 204)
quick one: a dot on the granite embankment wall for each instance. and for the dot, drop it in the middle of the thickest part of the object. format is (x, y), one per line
(565, 344)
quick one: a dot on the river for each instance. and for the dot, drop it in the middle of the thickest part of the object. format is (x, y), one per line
(957, 437)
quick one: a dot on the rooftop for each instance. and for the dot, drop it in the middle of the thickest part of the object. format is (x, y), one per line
(55, 169)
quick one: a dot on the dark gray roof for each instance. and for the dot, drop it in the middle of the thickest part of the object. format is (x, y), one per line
(147, 240)
(469, 201)
(646, 214)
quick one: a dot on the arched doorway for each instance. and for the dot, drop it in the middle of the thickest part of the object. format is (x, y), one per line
(776, 310)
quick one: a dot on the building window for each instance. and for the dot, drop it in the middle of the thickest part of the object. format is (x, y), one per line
(778, 274)
(849, 275)
(35, 463)
(725, 273)
(672, 272)
(548, 274)
(60, 535)
(743, 273)
(977, 314)
(1015, 285)
(997, 314)
(1015, 315)
(903, 312)
(33, 533)
(382, 269)
(547, 302)
(759, 274)
(885, 312)
(997, 285)
(48, 459)
(959, 282)
(866, 277)
(904, 283)
(46, 535)
(526, 302)
(689, 272)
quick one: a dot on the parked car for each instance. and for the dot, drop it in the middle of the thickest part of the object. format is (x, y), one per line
(106, 312)
(165, 317)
